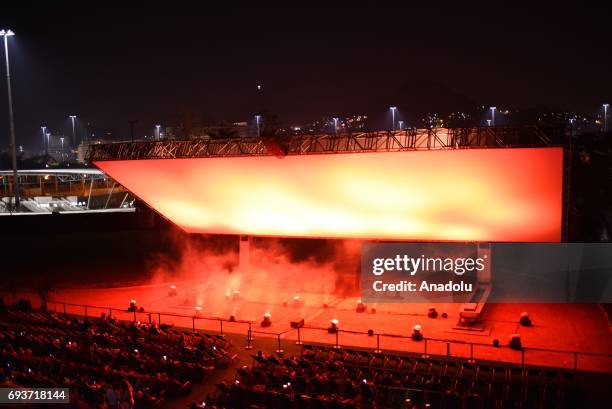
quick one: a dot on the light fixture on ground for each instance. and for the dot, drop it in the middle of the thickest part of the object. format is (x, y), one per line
(267, 320)
(524, 320)
(515, 342)
(198, 311)
(172, 291)
(361, 307)
(333, 326)
(5, 34)
(299, 323)
(132, 306)
(417, 333)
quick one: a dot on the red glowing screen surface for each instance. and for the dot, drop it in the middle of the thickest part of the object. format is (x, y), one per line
(458, 195)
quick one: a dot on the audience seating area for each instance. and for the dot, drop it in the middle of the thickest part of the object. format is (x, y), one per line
(324, 377)
(123, 365)
(104, 362)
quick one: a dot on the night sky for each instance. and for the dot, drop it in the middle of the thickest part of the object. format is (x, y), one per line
(152, 64)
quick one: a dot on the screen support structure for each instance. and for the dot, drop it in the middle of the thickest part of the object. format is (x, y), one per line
(244, 253)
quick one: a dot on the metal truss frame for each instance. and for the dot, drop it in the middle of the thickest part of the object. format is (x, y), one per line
(382, 141)
(78, 178)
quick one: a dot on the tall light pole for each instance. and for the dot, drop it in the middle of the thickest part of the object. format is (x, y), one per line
(62, 141)
(393, 109)
(488, 122)
(401, 124)
(257, 119)
(493, 115)
(73, 117)
(44, 131)
(6, 34)
(335, 125)
(157, 127)
(132, 122)
(605, 107)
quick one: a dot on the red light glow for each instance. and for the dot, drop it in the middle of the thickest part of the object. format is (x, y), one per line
(456, 195)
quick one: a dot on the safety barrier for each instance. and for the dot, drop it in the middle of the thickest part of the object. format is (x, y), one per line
(426, 347)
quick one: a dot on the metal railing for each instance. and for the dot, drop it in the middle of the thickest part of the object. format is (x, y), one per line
(429, 346)
(86, 309)
(426, 347)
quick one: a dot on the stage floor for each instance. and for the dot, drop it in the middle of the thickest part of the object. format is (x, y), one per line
(563, 327)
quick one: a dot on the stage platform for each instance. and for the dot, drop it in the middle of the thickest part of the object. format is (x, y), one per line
(567, 328)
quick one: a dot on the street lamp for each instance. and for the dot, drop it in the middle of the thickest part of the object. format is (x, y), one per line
(6, 34)
(571, 121)
(605, 107)
(335, 125)
(44, 131)
(62, 141)
(493, 115)
(73, 117)
(488, 122)
(393, 109)
(401, 124)
(257, 119)
(48, 135)
(157, 127)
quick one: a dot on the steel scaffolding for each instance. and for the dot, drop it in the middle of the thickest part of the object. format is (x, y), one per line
(384, 141)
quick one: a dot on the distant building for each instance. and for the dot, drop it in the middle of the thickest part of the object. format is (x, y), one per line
(242, 129)
(234, 130)
(167, 133)
(83, 149)
(351, 123)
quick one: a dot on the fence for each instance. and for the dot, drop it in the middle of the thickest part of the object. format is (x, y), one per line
(463, 350)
